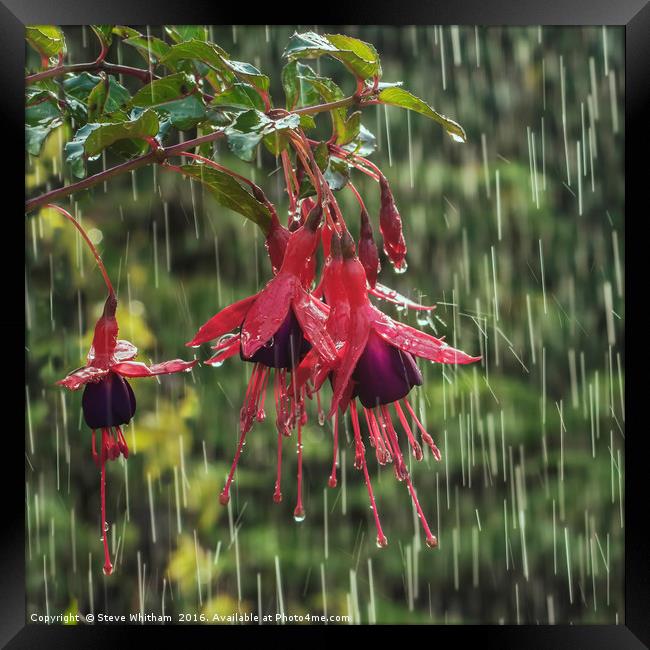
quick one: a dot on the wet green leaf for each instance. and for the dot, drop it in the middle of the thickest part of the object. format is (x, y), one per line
(47, 40)
(151, 48)
(230, 194)
(359, 57)
(180, 33)
(175, 97)
(404, 99)
(346, 128)
(91, 139)
(296, 90)
(240, 96)
(104, 33)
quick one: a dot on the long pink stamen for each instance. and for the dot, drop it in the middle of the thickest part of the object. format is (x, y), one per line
(415, 445)
(382, 541)
(383, 455)
(332, 479)
(224, 497)
(431, 539)
(94, 450)
(108, 567)
(384, 418)
(299, 512)
(121, 443)
(428, 440)
(277, 495)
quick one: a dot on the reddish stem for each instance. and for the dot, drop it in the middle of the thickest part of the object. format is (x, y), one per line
(98, 259)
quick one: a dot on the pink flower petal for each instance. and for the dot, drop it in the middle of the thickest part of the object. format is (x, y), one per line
(312, 319)
(139, 369)
(225, 321)
(225, 352)
(386, 293)
(267, 313)
(358, 332)
(124, 351)
(418, 343)
(82, 376)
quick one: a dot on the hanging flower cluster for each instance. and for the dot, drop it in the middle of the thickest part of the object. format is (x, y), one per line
(333, 332)
(305, 333)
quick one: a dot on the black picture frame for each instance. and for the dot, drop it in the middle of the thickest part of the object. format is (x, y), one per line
(633, 14)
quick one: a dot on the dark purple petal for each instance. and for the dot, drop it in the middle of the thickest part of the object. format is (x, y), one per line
(384, 373)
(108, 403)
(285, 349)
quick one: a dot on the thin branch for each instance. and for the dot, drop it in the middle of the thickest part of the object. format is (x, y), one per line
(155, 156)
(95, 66)
(320, 108)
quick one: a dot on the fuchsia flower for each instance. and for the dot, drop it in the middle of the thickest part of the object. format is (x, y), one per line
(278, 326)
(108, 401)
(377, 366)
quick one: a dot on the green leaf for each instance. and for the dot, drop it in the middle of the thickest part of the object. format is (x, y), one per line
(91, 139)
(249, 73)
(149, 47)
(47, 40)
(239, 96)
(180, 33)
(230, 194)
(175, 97)
(35, 136)
(195, 50)
(42, 116)
(297, 92)
(252, 126)
(404, 99)
(359, 57)
(78, 87)
(104, 33)
(41, 106)
(97, 100)
(75, 152)
(364, 144)
(337, 174)
(146, 125)
(346, 128)
(167, 89)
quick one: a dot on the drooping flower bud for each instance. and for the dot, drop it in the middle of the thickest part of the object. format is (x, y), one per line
(390, 224)
(368, 253)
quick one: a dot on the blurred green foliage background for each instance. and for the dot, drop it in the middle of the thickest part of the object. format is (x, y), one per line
(517, 235)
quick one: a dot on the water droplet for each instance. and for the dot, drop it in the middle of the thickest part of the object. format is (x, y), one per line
(332, 481)
(432, 541)
(401, 268)
(299, 514)
(382, 541)
(224, 497)
(107, 569)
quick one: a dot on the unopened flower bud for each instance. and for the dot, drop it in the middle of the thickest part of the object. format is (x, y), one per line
(368, 253)
(390, 224)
